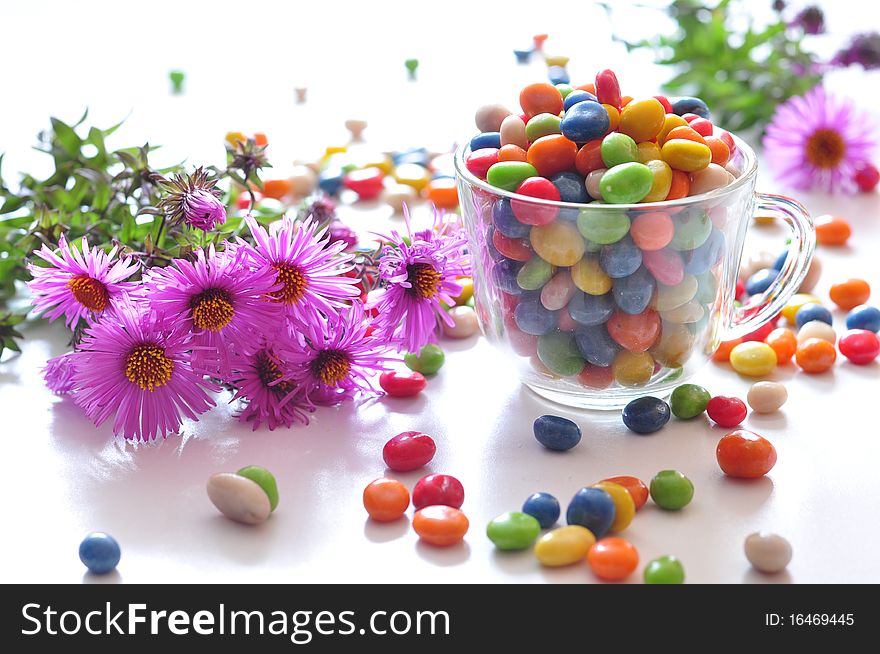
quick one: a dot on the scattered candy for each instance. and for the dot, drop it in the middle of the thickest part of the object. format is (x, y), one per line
(464, 323)
(864, 317)
(400, 384)
(634, 486)
(592, 508)
(99, 552)
(556, 433)
(412, 65)
(646, 415)
(356, 127)
(860, 346)
(266, 481)
(176, 78)
(437, 489)
(815, 355)
(513, 530)
(745, 454)
(784, 343)
(832, 230)
(386, 499)
(613, 559)
(671, 490)
(816, 329)
(766, 396)
(624, 506)
(850, 294)
(440, 526)
(428, 361)
(866, 176)
(688, 401)
(239, 498)
(726, 411)
(664, 570)
(811, 312)
(409, 450)
(543, 507)
(564, 546)
(769, 553)
(753, 359)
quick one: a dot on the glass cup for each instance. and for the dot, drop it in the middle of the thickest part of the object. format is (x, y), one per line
(598, 304)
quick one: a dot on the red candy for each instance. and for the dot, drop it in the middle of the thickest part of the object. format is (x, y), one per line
(608, 88)
(517, 249)
(402, 384)
(366, 182)
(438, 489)
(728, 139)
(595, 376)
(726, 411)
(690, 117)
(745, 454)
(701, 126)
(540, 98)
(634, 332)
(634, 486)
(479, 161)
(589, 157)
(531, 213)
(866, 176)
(408, 450)
(860, 346)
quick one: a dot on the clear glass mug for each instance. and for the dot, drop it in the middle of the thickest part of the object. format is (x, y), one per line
(603, 316)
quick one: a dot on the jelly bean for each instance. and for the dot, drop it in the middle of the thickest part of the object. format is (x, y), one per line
(645, 415)
(596, 346)
(239, 498)
(816, 329)
(664, 570)
(504, 274)
(556, 433)
(702, 126)
(265, 480)
(591, 309)
(486, 140)
(692, 229)
(685, 105)
(440, 526)
(613, 559)
(399, 384)
(671, 490)
(866, 176)
(532, 213)
(767, 553)
(745, 455)
(367, 182)
(386, 499)
(722, 353)
(557, 293)
(624, 505)
(728, 140)
(506, 222)
(589, 157)
(512, 152)
(784, 344)
(753, 359)
(810, 312)
(608, 88)
(634, 486)
(703, 258)
(680, 185)
(860, 346)
(814, 272)
(513, 530)
(637, 332)
(670, 122)
(649, 151)
(689, 401)
(864, 317)
(592, 508)
(464, 323)
(708, 179)
(592, 183)
(543, 507)
(584, 122)
(850, 294)
(604, 226)
(534, 274)
(443, 194)
(789, 311)
(761, 333)
(589, 277)
(665, 265)
(532, 318)
(570, 186)
(686, 133)
(559, 243)
(632, 368)
(477, 162)
(690, 312)
(513, 248)
(832, 230)
(409, 450)
(620, 259)
(707, 288)
(661, 182)
(720, 150)
(642, 120)
(766, 397)
(649, 231)
(558, 351)
(761, 281)
(100, 553)
(438, 489)
(564, 546)
(489, 118)
(508, 175)
(674, 347)
(684, 155)
(398, 195)
(542, 125)
(513, 132)
(633, 293)
(522, 56)
(617, 149)
(578, 96)
(558, 75)
(626, 183)
(417, 176)
(551, 153)
(427, 361)
(815, 355)
(726, 411)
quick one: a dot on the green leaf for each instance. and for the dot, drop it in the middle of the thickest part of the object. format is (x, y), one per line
(66, 137)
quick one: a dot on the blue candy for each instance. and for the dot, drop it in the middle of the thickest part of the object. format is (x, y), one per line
(330, 180)
(779, 264)
(413, 155)
(543, 507)
(688, 105)
(584, 122)
(99, 552)
(811, 312)
(571, 188)
(558, 75)
(760, 281)
(522, 56)
(596, 345)
(592, 508)
(633, 292)
(591, 309)
(506, 222)
(646, 415)
(557, 433)
(486, 140)
(577, 96)
(700, 260)
(864, 317)
(620, 259)
(504, 274)
(534, 318)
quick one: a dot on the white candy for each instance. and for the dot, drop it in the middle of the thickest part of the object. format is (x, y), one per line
(356, 127)
(767, 396)
(489, 117)
(817, 329)
(767, 552)
(239, 498)
(465, 320)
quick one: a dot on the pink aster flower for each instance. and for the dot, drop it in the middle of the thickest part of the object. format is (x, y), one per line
(309, 269)
(138, 368)
(417, 277)
(221, 299)
(79, 284)
(193, 199)
(202, 210)
(816, 140)
(58, 374)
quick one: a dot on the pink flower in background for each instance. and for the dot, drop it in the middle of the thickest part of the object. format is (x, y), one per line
(58, 374)
(202, 210)
(817, 140)
(192, 199)
(78, 284)
(138, 368)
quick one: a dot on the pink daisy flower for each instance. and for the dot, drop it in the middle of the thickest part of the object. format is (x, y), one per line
(221, 299)
(816, 140)
(138, 368)
(58, 374)
(80, 284)
(417, 277)
(309, 269)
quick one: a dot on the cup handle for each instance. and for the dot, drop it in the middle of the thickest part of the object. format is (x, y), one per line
(767, 305)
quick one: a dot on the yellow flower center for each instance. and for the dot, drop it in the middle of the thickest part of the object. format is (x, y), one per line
(89, 292)
(331, 366)
(294, 283)
(148, 367)
(268, 372)
(424, 280)
(212, 309)
(825, 148)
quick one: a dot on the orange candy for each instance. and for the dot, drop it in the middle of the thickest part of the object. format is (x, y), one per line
(784, 343)
(680, 187)
(670, 122)
(720, 150)
(261, 139)
(440, 525)
(688, 133)
(613, 559)
(386, 499)
(442, 193)
(277, 188)
(589, 157)
(625, 100)
(511, 152)
(635, 486)
(815, 355)
(540, 98)
(652, 231)
(831, 230)
(552, 154)
(589, 88)
(850, 294)
(722, 354)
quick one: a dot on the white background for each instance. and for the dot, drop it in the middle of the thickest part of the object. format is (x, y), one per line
(63, 477)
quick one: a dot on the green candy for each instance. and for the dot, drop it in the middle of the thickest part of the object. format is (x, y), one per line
(558, 351)
(671, 490)
(508, 175)
(618, 149)
(177, 78)
(706, 289)
(688, 401)
(691, 230)
(603, 226)
(513, 530)
(534, 274)
(626, 183)
(411, 66)
(264, 479)
(564, 89)
(542, 125)
(664, 570)
(428, 361)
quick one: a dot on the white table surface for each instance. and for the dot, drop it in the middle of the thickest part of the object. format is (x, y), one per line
(63, 477)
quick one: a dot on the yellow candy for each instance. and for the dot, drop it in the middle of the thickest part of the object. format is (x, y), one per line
(674, 347)
(557, 60)
(412, 174)
(558, 243)
(613, 116)
(753, 359)
(686, 155)
(235, 137)
(588, 276)
(662, 180)
(648, 151)
(624, 506)
(372, 160)
(670, 122)
(632, 368)
(467, 290)
(564, 546)
(796, 302)
(642, 119)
